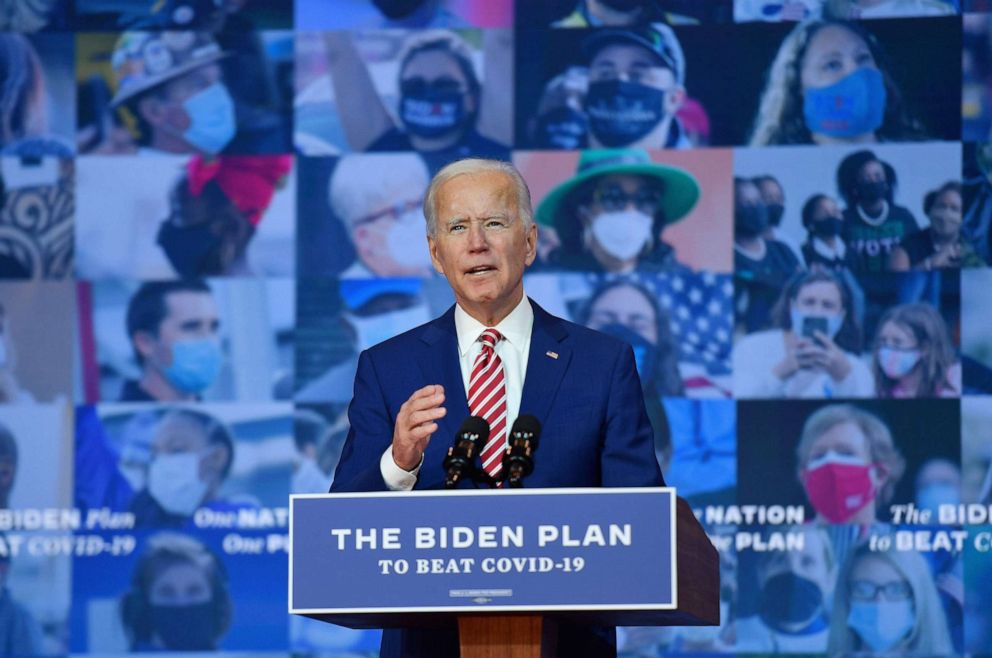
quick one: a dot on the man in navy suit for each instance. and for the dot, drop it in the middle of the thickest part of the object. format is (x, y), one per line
(582, 385)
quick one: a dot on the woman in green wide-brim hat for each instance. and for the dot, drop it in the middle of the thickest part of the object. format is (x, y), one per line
(611, 214)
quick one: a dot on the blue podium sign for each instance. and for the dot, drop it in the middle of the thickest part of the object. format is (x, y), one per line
(487, 550)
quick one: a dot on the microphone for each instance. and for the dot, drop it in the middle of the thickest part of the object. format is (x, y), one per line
(518, 460)
(469, 441)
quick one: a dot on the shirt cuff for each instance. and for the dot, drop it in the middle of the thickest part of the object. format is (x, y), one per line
(395, 477)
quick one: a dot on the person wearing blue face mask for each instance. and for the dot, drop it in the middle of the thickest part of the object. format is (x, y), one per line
(938, 482)
(173, 86)
(829, 84)
(173, 327)
(813, 352)
(886, 603)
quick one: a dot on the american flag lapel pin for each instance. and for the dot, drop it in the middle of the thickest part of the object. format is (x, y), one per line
(553, 355)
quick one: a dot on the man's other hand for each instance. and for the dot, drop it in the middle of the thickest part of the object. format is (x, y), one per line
(415, 424)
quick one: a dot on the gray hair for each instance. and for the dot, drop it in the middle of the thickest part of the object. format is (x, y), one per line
(477, 166)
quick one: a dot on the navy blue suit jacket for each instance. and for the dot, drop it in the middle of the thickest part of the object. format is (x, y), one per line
(580, 384)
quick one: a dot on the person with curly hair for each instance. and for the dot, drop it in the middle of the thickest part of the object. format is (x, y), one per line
(830, 84)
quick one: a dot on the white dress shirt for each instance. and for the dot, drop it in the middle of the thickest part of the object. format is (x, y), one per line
(513, 350)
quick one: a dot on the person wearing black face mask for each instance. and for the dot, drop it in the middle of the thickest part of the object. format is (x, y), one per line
(760, 265)
(620, 13)
(824, 223)
(873, 224)
(793, 591)
(440, 98)
(179, 598)
(636, 80)
(774, 197)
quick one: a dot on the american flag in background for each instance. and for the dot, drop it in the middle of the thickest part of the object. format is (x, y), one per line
(700, 313)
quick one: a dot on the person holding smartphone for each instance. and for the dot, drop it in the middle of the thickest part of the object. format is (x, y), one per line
(813, 352)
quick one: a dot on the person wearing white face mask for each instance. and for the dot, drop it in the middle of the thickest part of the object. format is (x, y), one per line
(192, 454)
(378, 198)
(914, 357)
(886, 603)
(611, 215)
(812, 353)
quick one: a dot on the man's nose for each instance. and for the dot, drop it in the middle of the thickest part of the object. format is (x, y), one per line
(477, 238)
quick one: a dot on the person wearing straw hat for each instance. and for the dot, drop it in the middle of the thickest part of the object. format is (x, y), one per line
(612, 214)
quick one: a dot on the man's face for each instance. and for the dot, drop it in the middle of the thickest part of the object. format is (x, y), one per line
(481, 244)
(165, 109)
(390, 239)
(180, 435)
(631, 63)
(627, 306)
(190, 315)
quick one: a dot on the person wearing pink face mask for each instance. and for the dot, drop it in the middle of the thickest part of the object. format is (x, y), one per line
(914, 356)
(848, 464)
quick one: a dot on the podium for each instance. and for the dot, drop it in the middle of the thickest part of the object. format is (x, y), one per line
(503, 566)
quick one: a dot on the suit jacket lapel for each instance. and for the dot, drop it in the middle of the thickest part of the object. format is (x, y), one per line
(439, 361)
(546, 364)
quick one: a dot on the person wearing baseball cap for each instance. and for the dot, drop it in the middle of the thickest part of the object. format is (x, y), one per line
(636, 87)
(611, 215)
(173, 85)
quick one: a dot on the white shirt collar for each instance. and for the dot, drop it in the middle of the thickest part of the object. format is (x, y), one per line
(515, 327)
(824, 249)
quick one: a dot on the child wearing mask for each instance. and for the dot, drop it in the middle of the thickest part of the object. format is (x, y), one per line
(913, 355)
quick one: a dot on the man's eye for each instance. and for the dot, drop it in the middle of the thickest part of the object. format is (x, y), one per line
(495, 223)
(456, 228)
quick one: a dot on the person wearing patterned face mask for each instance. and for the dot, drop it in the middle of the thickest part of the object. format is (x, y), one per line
(191, 458)
(914, 356)
(612, 214)
(378, 198)
(813, 352)
(848, 464)
(173, 327)
(636, 87)
(886, 603)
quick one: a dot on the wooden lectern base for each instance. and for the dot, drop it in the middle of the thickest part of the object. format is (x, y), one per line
(507, 636)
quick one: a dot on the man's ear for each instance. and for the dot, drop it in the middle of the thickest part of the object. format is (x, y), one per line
(674, 99)
(145, 343)
(531, 238)
(215, 459)
(432, 247)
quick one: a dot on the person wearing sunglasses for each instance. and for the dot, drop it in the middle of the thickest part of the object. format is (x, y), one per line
(611, 216)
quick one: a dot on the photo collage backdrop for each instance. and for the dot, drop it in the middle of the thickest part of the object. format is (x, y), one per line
(209, 208)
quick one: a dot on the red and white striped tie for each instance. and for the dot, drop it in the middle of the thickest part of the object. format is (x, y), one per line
(487, 399)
